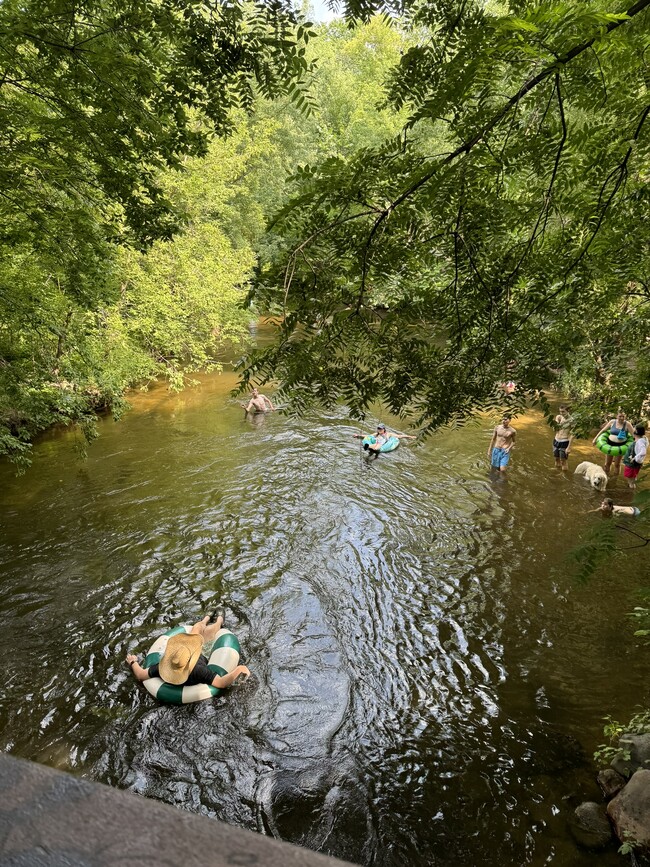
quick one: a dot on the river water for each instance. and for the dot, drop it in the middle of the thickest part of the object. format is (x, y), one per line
(429, 680)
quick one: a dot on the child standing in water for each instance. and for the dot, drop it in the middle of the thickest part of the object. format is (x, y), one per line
(563, 438)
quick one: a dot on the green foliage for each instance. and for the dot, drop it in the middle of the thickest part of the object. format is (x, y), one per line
(98, 96)
(629, 844)
(639, 724)
(99, 102)
(596, 548)
(500, 236)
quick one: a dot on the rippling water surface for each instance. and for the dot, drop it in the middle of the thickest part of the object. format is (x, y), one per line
(429, 682)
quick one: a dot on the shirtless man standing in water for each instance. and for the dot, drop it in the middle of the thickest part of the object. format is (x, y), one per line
(258, 403)
(501, 444)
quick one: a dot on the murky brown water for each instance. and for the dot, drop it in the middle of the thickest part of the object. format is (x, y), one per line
(429, 682)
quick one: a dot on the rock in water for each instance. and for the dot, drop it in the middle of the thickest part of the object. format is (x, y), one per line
(610, 782)
(590, 827)
(630, 811)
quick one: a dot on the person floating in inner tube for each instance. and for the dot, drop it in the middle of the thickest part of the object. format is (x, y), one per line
(183, 664)
(501, 444)
(608, 508)
(258, 403)
(381, 437)
(619, 430)
(635, 456)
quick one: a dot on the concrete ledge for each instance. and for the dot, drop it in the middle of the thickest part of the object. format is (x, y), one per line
(54, 819)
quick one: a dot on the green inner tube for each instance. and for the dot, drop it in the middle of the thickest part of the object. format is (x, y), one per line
(608, 448)
(389, 446)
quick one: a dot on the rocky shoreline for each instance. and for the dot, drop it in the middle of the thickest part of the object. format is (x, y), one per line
(626, 814)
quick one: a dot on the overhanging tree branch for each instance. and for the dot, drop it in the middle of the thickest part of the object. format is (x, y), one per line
(487, 128)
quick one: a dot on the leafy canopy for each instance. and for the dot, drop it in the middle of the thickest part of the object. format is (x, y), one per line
(474, 247)
(99, 100)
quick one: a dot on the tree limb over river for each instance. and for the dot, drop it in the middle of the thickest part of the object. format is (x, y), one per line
(499, 236)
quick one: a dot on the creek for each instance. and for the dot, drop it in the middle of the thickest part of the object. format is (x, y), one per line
(429, 680)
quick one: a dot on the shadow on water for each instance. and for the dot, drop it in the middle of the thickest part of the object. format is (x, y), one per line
(428, 683)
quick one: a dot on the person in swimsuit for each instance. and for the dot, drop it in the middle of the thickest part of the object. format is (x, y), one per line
(619, 429)
(563, 438)
(381, 437)
(501, 444)
(635, 456)
(607, 507)
(183, 664)
(258, 403)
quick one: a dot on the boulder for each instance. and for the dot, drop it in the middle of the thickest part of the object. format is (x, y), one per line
(610, 783)
(635, 754)
(590, 827)
(638, 747)
(630, 811)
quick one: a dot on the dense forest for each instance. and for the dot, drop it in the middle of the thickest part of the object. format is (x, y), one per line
(431, 197)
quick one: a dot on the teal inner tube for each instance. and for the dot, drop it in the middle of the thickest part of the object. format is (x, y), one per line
(607, 448)
(389, 446)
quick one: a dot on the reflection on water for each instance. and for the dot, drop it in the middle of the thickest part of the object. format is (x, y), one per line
(428, 681)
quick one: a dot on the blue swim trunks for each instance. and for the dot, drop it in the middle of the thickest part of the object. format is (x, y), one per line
(500, 458)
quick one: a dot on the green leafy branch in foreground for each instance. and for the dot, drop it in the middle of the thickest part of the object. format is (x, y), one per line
(476, 246)
(606, 538)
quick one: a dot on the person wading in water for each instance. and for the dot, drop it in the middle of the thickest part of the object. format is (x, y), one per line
(562, 439)
(501, 444)
(258, 403)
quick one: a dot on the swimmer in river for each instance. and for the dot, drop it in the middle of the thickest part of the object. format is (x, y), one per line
(381, 437)
(608, 508)
(258, 403)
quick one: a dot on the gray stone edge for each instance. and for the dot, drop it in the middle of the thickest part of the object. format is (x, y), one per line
(48, 817)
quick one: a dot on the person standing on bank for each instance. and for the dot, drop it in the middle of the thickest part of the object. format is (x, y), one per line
(183, 664)
(619, 430)
(501, 444)
(635, 456)
(563, 438)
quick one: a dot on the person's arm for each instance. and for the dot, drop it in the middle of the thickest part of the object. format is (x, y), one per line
(139, 672)
(567, 449)
(602, 430)
(511, 444)
(492, 442)
(268, 401)
(403, 436)
(359, 436)
(221, 682)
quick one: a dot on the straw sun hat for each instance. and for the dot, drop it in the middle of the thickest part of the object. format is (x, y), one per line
(181, 655)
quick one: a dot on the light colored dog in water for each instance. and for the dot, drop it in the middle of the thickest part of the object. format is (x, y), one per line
(593, 473)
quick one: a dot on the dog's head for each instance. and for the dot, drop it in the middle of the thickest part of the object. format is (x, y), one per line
(599, 481)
